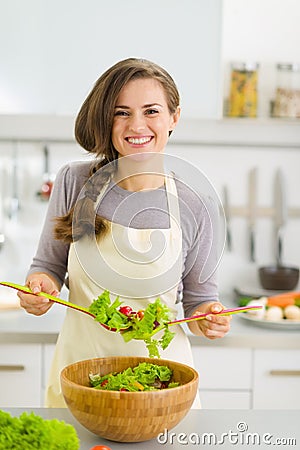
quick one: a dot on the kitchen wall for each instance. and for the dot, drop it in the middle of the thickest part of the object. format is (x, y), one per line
(223, 157)
(52, 52)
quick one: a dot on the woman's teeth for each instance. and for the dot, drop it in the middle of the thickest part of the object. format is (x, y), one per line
(139, 140)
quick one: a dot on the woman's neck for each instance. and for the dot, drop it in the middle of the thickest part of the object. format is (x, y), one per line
(141, 182)
(139, 175)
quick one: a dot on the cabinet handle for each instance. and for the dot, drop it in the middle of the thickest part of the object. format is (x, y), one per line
(11, 367)
(285, 373)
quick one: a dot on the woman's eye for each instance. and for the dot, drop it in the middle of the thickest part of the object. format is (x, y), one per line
(151, 111)
(121, 113)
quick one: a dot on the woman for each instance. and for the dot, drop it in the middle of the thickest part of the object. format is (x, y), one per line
(121, 224)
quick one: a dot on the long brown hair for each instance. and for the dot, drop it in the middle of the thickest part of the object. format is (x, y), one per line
(93, 127)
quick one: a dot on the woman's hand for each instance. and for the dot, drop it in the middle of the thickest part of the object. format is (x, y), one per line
(38, 282)
(213, 326)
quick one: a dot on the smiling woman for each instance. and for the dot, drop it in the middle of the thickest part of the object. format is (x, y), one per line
(124, 224)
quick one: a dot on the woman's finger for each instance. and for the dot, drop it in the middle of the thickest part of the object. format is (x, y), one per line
(34, 304)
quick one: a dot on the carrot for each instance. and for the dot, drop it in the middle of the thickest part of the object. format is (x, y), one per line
(283, 300)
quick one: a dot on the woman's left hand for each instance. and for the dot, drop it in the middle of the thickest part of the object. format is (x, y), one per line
(213, 326)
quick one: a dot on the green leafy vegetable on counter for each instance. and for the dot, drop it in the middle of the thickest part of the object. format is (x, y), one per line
(141, 325)
(243, 301)
(30, 431)
(144, 377)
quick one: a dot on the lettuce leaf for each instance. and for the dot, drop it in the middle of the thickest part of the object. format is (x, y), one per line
(30, 431)
(107, 313)
(156, 318)
(143, 377)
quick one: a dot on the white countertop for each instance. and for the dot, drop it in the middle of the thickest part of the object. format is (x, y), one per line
(16, 326)
(204, 428)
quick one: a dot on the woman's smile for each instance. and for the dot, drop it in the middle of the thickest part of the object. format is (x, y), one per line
(140, 141)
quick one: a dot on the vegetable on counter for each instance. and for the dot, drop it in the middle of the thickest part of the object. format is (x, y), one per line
(30, 431)
(285, 299)
(285, 306)
(141, 325)
(144, 377)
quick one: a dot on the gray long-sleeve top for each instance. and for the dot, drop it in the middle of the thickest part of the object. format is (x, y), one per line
(148, 210)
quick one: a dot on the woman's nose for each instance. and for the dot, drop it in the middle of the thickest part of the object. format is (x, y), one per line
(137, 122)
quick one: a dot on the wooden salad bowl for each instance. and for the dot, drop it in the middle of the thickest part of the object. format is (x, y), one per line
(127, 416)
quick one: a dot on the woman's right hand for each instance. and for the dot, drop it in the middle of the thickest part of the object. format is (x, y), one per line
(37, 282)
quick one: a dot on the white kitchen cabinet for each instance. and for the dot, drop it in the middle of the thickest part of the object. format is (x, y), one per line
(48, 352)
(223, 399)
(20, 375)
(276, 383)
(224, 377)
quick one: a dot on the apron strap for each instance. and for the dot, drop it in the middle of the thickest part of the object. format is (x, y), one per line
(173, 202)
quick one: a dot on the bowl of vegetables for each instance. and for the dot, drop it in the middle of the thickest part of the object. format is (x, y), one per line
(129, 398)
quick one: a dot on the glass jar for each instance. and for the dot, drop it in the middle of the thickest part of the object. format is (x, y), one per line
(243, 90)
(287, 96)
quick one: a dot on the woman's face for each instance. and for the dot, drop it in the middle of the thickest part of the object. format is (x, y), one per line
(142, 120)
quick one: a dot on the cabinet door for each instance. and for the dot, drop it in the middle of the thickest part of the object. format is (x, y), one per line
(220, 399)
(276, 379)
(20, 375)
(224, 377)
(48, 352)
(223, 368)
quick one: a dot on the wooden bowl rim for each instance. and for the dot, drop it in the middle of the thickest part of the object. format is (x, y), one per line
(126, 393)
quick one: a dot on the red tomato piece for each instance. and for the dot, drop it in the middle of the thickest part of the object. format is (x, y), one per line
(126, 310)
(140, 314)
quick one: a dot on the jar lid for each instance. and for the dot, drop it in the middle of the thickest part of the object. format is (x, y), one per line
(291, 67)
(245, 66)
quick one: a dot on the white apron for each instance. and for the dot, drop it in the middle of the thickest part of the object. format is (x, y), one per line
(82, 338)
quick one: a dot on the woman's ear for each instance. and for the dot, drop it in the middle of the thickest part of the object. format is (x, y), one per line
(175, 119)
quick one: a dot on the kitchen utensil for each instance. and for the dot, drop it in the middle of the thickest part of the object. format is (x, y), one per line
(14, 204)
(227, 217)
(279, 277)
(26, 290)
(2, 240)
(252, 211)
(2, 235)
(47, 183)
(127, 416)
(281, 213)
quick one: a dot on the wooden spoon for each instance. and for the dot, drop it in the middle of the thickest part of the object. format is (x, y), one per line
(224, 312)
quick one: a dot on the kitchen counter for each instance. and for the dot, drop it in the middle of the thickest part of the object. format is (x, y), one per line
(208, 429)
(16, 326)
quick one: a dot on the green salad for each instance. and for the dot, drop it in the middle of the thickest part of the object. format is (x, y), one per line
(144, 377)
(142, 325)
(30, 431)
